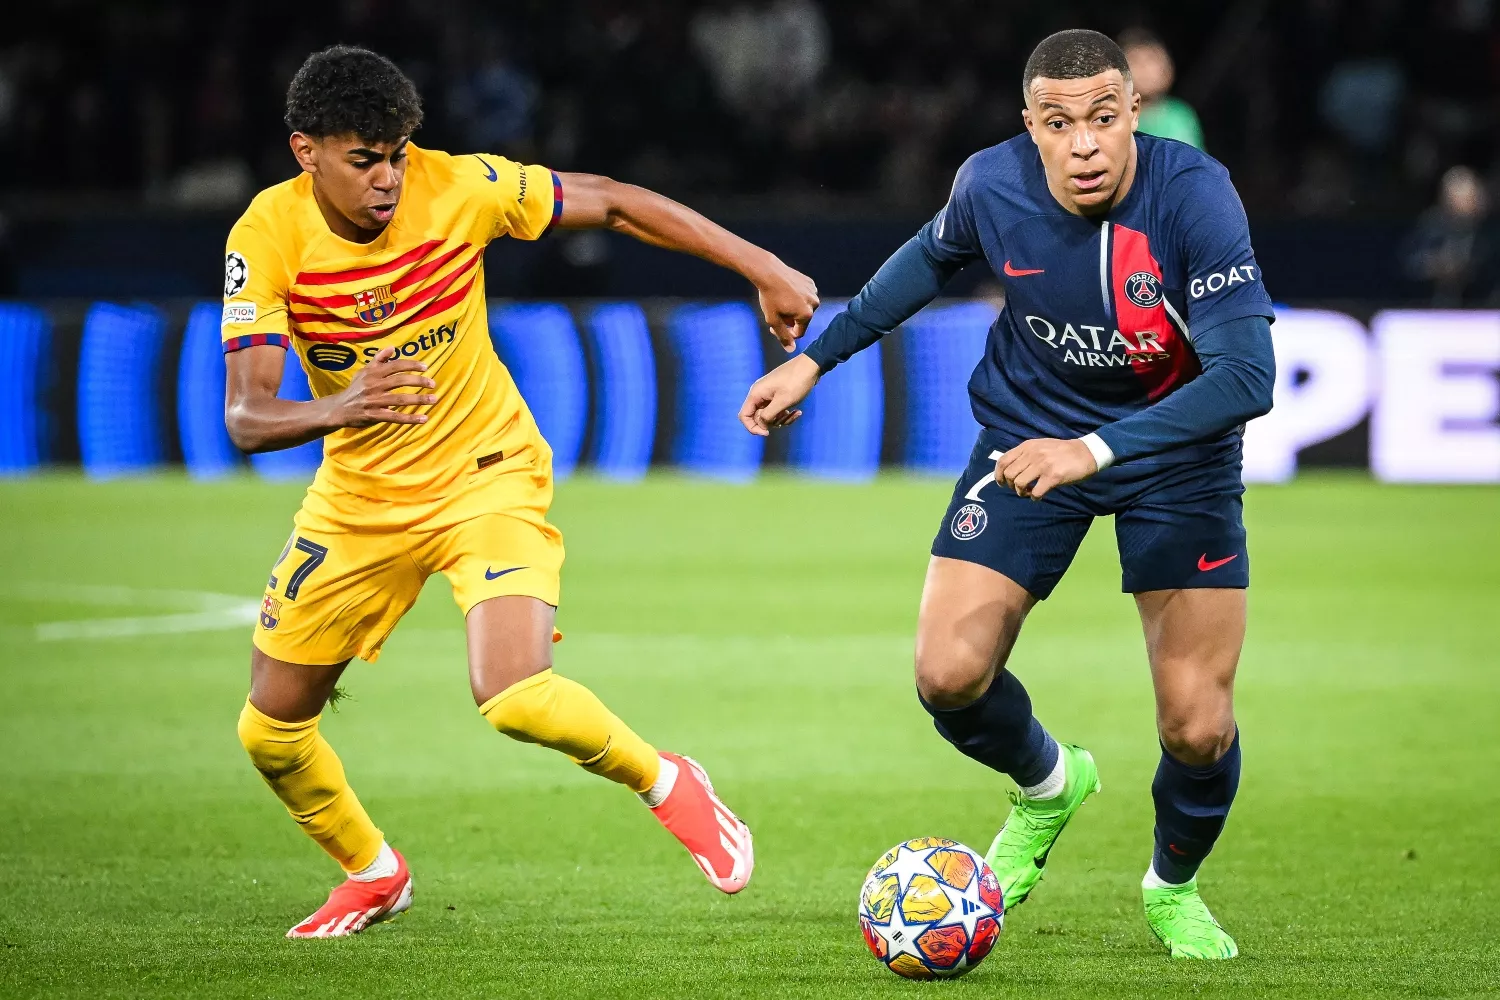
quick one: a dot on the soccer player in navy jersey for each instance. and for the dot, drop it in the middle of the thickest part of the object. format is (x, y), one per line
(1134, 344)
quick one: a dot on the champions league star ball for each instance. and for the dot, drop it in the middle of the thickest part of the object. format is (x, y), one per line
(930, 909)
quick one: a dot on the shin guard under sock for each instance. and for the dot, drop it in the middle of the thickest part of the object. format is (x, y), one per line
(566, 716)
(1192, 804)
(308, 778)
(998, 730)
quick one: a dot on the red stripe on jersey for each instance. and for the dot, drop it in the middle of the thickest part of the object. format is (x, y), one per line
(411, 277)
(303, 318)
(432, 291)
(360, 273)
(1160, 355)
(438, 305)
(435, 289)
(432, 309)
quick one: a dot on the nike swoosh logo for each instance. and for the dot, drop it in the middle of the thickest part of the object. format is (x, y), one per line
(1012, 272)
(493, 176)
(1205, 565)
(490, 574)
(1041, 859)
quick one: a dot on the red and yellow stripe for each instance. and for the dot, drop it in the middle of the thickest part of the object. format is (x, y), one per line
(426, 283)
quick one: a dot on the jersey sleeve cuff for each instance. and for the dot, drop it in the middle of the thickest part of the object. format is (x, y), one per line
(257, 340)
(817, 351)
(1103, 456)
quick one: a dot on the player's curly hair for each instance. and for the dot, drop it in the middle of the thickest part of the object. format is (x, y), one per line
(1073, 55)
(346, 90)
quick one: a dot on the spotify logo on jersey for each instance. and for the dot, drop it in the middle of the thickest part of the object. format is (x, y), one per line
(331, 357)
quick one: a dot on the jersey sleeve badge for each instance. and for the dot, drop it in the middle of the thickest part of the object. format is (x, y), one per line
(236, 274)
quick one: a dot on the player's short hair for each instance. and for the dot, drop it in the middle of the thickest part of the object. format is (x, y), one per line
(1074, 54)
(345, 90)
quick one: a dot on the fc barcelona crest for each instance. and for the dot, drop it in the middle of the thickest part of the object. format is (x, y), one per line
(374, 304)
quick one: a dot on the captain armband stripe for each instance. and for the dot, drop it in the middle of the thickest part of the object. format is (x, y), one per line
(557, 201)
(257, 340)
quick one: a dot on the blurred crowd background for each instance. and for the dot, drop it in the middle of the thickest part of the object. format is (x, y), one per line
(1322, 109)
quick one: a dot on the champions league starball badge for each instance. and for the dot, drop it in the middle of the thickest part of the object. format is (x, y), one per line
(236, 274)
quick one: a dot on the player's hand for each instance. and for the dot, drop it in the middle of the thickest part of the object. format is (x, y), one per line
(1034, 467)
(372, 397)
(771, 399)
(787, 301)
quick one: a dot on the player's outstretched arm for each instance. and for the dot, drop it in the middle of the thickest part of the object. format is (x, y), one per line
(787, 296)
(912, 277)
(258, 420)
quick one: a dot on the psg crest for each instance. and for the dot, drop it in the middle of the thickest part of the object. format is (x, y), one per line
(1143, 289)
(374, 304)
(969, 521)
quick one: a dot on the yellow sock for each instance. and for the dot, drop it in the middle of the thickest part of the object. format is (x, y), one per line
(307, 776)
(566, 716)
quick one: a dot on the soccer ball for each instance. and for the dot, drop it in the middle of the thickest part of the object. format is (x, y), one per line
(930, 909)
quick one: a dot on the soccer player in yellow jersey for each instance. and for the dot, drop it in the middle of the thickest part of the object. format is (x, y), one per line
(369, 265)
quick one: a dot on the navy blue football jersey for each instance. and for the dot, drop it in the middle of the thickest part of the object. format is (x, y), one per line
(1100, 312)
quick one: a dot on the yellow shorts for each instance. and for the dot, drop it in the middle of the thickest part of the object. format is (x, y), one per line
(355, 565)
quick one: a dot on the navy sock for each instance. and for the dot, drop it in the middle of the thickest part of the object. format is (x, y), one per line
(1192, 804)
(998, 730)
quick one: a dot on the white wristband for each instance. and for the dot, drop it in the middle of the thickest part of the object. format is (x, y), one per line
(1103, 457)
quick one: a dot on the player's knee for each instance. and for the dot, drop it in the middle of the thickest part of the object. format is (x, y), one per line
(948, 681)
(1195, 740)
(525, 709)
(276, 749)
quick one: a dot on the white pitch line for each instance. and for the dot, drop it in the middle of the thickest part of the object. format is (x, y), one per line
(122, 628)
(213, 611)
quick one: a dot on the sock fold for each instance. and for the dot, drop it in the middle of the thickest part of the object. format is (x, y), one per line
(565, 716)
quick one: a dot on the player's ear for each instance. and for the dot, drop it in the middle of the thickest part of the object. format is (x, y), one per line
(305, 150)
(1135, 108)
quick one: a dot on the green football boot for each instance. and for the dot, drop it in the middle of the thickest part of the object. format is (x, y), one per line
(1178, 917)
(1020, 850)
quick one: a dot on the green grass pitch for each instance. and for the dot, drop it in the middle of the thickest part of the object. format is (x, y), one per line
(767, 631)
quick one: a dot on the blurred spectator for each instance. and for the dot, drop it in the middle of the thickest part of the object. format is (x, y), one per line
(7, 97)
(762, 56)
(1450, 248)
(493, 102)
(1152, 69)
(1361, 100)
(822, 105)
(218, 183)
(1326, 187)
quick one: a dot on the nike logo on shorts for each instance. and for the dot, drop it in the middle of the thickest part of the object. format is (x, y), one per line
(490, 574)
(1205, 565)
(1021, 272)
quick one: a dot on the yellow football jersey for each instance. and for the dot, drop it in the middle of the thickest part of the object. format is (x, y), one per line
(419, 287)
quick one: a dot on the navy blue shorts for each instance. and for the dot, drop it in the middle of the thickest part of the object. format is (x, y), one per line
(1177, 526)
